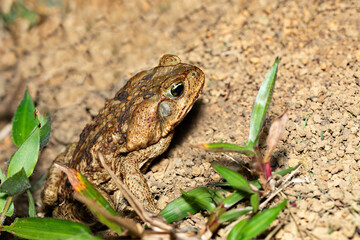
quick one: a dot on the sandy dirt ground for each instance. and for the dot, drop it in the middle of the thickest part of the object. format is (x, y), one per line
(82, 52)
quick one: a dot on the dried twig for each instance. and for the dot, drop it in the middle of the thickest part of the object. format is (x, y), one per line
(284, 185)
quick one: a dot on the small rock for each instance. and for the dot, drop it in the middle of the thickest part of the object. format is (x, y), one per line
(293, 162)
(216, 177)
(336, 193)
(196, 171)
(317, 206)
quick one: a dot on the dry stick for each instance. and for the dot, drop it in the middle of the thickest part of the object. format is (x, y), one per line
(293, 218)
(139, 209)
(284, 185)
(273, 232)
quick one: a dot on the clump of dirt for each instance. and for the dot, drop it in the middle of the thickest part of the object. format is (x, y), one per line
(78, 57)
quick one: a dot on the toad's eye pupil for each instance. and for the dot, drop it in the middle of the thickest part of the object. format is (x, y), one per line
(177, 89)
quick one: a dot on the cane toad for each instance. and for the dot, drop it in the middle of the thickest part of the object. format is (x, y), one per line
(132, 129)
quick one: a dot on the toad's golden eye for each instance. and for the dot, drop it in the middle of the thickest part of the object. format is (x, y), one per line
(177, 89)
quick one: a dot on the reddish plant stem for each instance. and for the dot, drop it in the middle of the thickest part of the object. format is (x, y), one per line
(213, 222)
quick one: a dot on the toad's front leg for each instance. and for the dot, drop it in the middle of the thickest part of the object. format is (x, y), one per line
(136, 183)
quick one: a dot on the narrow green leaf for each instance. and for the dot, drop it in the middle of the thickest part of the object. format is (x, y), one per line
(45, 228)
(2, 176)
(32, 210)
(84, 236)
(233, 178)
(180, 207)
(26, 156)
(16, 184)
(45, 130)
(228, 147)
(24, 121)
(234, 198)
(82, 186)
(257, 224)
(254, 201)
(201, 199)
(3, 198)
(261, 105)
(233, 214)
(286, 171)
(234, 233)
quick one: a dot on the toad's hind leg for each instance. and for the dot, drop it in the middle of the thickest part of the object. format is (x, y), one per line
(136, 183)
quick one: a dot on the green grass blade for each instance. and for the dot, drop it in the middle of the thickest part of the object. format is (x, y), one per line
(45, 130)
(16, 184)
(257, 224)
(3, 198)
(261, 105)
(45, 228)
(180, 207)
(228, 147)
(233, 178)
(24, 120)
(32, 210)
(234, 198)
(234, 233)
(84, 236)
(2, 176)
(233, 214)
(83, 187)
(26, 156)
(254, 201)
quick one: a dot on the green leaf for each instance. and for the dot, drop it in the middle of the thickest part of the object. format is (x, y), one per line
(26, 156)
(32, 210)
(234, 198)
(228, 147)
(233, 214)
(254, 201)
(180, 207)
(233, 178)
(16, 184)
(2, 176)
(286, 171)
(45, 130)
(24, 120)
(84, 236)
(3, 198)
(45, 228)
(233, 235)
(83, 187)
(256, 224)
(261, 105)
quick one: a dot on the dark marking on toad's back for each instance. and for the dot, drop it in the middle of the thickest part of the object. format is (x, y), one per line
(130, 132)
(122, 96)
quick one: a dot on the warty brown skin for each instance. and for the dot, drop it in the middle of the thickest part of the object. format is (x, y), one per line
(132, 129)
